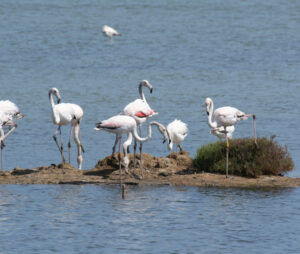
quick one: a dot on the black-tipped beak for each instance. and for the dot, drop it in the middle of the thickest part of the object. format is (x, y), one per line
(207, 112)
(164, 141)
(151, 90)
(98, 125)
(169, 141)
(58, 101)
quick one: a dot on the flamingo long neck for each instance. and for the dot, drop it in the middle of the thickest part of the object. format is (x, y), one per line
(54, 113)
(141, 91)
(209, 117)
(145, 139)
(127, 143)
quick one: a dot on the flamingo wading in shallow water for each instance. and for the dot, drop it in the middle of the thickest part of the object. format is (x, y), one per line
(122, 124)
(64, 114)
(9, 112)
(178, 132)
(225, 118)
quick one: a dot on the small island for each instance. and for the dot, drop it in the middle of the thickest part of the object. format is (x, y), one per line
(177, 169)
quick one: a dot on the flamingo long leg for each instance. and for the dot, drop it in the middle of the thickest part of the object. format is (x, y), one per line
(120, 161)
(60, 148)
(3, 137)
(141, 153)
(227, 151)
(115, 144)
(134, 153)
(79, 146)
(69, 143)
(254, 128)
(2, 146)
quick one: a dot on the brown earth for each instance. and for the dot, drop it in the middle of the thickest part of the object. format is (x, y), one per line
(175, 169)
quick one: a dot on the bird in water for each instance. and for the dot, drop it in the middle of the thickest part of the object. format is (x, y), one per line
(123, 124)
(9, 113)
(177, 131)
(225, 118)
(109, 32)
(64, 114)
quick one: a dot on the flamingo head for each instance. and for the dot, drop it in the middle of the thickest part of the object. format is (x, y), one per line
(208, 103)
(146, 83)
(55, 92)
(126, 162)
(167, 137)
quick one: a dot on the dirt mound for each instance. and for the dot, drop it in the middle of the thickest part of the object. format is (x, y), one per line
(175, 169)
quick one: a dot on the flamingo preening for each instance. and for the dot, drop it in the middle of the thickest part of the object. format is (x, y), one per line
(9, 112)
(225, 118)
(140, 110)
(64, 114)
(109, 32)
(177, 131)
(122, 124)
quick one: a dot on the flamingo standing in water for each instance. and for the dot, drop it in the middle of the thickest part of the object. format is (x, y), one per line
(63, 114)
(122, 124)
(109, 32)
(178, 132)
(9, 112)
(225, 118)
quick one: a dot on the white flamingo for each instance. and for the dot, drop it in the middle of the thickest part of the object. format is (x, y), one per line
(122, 124)
(140, 110)
(63, 114)
(177, 131)
(109, 32)
(9, 112)
(226, 117)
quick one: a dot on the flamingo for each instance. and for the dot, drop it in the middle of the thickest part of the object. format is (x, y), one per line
(225, 118)
(140, 110)
(109, 32)
(9, 112)
(178, 132)
(64, 114)
(123, 124)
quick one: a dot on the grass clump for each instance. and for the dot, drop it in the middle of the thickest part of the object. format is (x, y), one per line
(245, 158)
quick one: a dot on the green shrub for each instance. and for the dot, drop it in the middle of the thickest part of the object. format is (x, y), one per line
(245, 158)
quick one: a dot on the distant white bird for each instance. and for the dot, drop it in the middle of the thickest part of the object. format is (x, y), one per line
(122, 124)
(225, 118)
(177, 131)
(63, 114)
(109, 32)
(140, 111)
(9, 112)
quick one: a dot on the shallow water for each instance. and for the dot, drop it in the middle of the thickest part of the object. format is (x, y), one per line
(94, 219)
(240, 53)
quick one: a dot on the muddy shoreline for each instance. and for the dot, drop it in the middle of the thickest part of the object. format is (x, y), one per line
(174, 170)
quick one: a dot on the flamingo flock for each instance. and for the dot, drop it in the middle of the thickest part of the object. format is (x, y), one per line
(128, 122)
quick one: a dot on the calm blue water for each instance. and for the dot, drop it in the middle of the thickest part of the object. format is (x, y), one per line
(240, 53)
(94, 219)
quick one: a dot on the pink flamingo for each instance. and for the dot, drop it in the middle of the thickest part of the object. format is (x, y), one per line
(122, 124)
(9, 112)
(225, 118)
(140, 111)
(63, 114)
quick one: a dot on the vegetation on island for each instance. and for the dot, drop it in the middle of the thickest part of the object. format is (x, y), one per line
(245, 158)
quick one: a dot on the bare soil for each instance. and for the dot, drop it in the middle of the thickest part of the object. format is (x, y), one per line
(175, 169)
